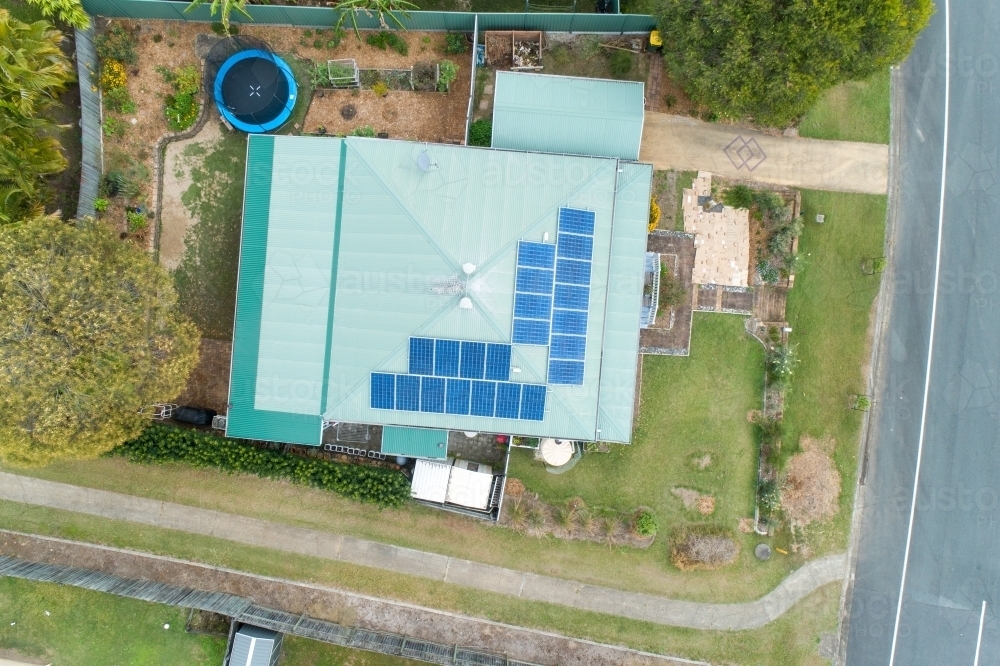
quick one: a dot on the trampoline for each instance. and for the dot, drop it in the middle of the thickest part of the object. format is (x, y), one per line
(254, 89)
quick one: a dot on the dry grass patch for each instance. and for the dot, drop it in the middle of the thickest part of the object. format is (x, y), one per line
(695, 501)
(812, 483)
(703, 547)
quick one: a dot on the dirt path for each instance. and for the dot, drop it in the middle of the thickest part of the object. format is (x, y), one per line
(332, 605)
(175, 218)
(676, 142)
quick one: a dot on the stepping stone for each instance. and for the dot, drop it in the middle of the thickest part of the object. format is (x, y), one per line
(488, 89)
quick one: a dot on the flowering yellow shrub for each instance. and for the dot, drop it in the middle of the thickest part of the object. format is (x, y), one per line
(113, 75)
(654, 214)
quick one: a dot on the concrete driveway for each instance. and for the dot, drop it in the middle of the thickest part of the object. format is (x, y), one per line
(682, 143)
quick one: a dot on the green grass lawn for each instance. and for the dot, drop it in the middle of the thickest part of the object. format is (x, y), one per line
(790, 640)
(691, 408)
(206, 277)
(852, 111)
(830, 311)
(85, 628)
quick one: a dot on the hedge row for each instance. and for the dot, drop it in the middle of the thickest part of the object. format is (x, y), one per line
(160, 443)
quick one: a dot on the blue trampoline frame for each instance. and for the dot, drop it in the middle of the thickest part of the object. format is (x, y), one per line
(282, 117)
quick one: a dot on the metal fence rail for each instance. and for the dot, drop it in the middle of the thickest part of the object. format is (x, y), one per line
(244, 610)
(323, 17)
(92, 162)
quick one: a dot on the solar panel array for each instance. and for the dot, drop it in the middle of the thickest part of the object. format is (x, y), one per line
(458, 377)
(574, 261)
(533, 287)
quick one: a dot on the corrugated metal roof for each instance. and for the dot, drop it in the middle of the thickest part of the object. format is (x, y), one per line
(245, 419)
(415, 442)
(252, 646)
(565, 114)
(361, 216)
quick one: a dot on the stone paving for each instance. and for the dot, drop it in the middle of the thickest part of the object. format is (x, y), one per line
(339, 547)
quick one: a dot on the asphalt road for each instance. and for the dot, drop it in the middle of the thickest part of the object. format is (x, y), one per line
(951, 545)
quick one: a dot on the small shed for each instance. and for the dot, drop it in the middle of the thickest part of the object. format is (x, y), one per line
(459, 482)
(568, 115)
(255, 646)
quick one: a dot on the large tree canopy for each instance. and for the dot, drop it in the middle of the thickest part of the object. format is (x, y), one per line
(770, 59)
(89, 335)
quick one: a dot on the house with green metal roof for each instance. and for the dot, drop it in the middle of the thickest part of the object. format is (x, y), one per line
(568, 114)
(438, 287)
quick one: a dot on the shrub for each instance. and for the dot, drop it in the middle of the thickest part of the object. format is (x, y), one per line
(381, 88)
(672, 292)
(113, 75)
(782, 239)
(317, 43)
(481, 133)
(136, 221)
(384, 39)
(768, 273)
(448, 72)
(644, 523)
(119, 100)
(319, 75)
(768, 497)
(620, 64)
(862, 403)
(703, 547)
(114, 127)
(738, 196)
(181, 111)
(364, 130)
(101, 204)
(187, 80)
(117, 43)
(307, 33)
(654, 214)
(781, 362)
(455, 43)
(160, 443)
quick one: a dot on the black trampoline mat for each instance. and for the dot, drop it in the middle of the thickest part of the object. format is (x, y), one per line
(255, 85)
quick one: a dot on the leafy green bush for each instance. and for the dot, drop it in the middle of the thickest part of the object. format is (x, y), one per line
(117, 43)
(768, 273)
(644, 523)
(119, 100)
(768, 497)
(160, 443)
(187, 80)
(136, 221)
(620, 64)
(481, 133)
(364, 130)
(738, 196)
(448, 72)
(101, 204)
(384, 39)
(114, 127)
(781, 362)
(455, 43)
(181, 111)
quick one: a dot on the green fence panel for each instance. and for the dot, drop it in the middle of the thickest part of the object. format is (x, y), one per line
(319, 17)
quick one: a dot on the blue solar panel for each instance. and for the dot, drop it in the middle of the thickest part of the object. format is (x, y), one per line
(408, 393)
(446, 358)
(483, 398)
(508, 400)
(571, 271)
(530, 332)
(576, 221)
(565, 372)
(532, 306)
(473, 360)
(536, 255)
(432, 394)
(572, 347)
(498, 362)
(572, 298)
(533, 402)
(576, 247)
(569, 322)
(383, 390)
(458, 392)
(534, 281)
(421, 356)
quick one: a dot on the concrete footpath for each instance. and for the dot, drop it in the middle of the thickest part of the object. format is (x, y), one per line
(339, 547)
(687, 144)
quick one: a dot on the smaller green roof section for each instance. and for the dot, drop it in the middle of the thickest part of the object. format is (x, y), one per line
(415, 442)
(568, 114)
